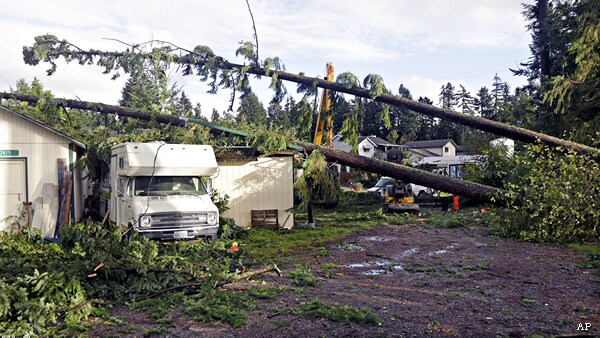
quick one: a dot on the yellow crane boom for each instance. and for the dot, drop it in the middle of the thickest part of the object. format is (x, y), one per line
(324, 120)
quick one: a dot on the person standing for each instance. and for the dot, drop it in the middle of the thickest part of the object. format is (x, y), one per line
(445, 200)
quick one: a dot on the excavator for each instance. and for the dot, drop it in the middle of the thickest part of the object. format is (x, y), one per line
(399, 197)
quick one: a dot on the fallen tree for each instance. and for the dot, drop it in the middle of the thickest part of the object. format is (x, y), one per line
(207, 65)
(456, 186)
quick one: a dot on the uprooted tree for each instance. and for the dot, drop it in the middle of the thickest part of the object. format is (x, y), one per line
(460, 187)
(221, 73)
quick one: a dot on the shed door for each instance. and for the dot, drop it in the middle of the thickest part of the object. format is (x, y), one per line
(12, 188)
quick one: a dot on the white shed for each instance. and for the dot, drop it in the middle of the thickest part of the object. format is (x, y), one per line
(32, 155)
(262, 183)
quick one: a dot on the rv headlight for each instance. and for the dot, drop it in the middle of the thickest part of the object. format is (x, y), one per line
(145, 221)
(212, 218)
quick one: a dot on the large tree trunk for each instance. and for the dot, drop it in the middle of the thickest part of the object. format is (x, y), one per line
(494, 127)
(408, 174)
(456, 186)
(498, 128)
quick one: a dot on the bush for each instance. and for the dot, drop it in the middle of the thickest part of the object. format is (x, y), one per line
(555, 196)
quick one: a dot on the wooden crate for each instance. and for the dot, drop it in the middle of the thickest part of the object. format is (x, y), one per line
(265, 218)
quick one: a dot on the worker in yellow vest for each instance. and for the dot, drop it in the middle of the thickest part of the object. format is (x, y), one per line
(445, 200)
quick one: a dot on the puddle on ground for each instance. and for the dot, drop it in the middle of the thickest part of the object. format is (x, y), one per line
(369, 264)
(406, 253)
(349, 247)
(444, 250)
(389, 267)
(376, 272)
(380, 238)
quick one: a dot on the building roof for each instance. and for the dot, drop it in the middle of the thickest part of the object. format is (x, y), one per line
(377, 141)
(423, 152)
(429, 144)
(43, 125)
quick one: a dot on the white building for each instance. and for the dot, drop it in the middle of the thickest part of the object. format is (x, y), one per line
(417, 150)
(32, 156)
(259, 183)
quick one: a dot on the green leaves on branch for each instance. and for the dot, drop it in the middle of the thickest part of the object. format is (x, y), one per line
(267, 141)
(556, 195)
(48, 288)
(317, 181)
(374, 83)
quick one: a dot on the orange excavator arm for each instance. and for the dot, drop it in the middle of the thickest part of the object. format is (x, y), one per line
(325, 125)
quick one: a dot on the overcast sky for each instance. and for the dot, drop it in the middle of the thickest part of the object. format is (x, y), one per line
(421, 44)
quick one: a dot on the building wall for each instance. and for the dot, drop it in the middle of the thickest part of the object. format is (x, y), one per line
(41, 149)
(366, 148)
(256, 185)
(440, 151)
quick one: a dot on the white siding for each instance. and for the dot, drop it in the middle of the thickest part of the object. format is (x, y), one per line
(366, 148)
(256, 185)
(41, 148)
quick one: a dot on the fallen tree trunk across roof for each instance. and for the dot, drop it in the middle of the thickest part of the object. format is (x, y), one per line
(460, 187)
(407, 174)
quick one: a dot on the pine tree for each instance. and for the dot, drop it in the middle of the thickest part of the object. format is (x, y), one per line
(405, 121)
(448, 96)
(215, 117)
(448, 100)
(465, 101)
(425, 123)
(183, 106)
(277, 117)
(251, 110)
(302, 116)
(484, 103)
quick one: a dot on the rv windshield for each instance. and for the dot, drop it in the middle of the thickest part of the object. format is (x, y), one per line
(168, 185)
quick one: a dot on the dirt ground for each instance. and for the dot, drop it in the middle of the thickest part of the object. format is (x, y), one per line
(422, 282)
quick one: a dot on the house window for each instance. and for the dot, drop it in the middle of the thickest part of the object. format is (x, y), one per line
(366, 150)
(446, 149)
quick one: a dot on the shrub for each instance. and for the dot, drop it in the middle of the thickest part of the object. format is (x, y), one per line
(555, 196)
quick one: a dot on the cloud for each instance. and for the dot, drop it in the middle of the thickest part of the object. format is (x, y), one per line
(398, 39)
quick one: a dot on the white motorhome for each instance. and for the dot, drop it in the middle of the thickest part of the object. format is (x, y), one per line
(157, 190)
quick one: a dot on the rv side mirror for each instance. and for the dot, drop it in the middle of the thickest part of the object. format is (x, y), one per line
(209, 185)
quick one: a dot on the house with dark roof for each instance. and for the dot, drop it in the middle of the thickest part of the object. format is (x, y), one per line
(375, 147)
(369, 146)
(417, 150)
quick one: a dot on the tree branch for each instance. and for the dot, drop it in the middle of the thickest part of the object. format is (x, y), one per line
(498, 128)
(255, 34)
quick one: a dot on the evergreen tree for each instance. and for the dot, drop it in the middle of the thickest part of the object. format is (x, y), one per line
(425, 123)
(251, 110)
(277, 117)
(215, 117)
(405, 121)
(484, 103)
(183, 106)
(448, 96)
(563, 68)
(465, 101)
(302, 116)
(448, 100)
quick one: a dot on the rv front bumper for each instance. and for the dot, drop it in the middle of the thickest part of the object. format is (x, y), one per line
(209, 231)
(179, 225)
